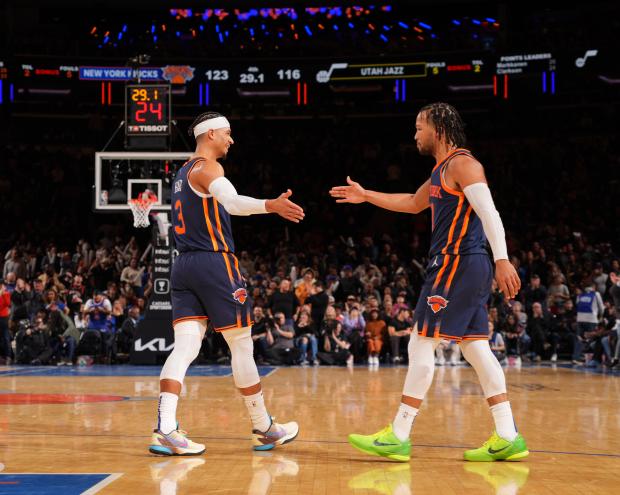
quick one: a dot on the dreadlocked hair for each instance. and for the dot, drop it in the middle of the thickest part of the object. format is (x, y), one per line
(201, 118)
(447, 123)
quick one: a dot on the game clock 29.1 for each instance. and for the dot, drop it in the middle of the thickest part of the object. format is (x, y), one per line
(147, 109)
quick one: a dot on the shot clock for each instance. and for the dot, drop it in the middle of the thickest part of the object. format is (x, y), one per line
(147, 110)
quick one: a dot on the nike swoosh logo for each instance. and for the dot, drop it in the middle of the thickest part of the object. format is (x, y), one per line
(492, 451)
(376, 443)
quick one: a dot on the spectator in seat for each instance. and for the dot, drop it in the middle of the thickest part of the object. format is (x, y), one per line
(336, 347)
(539, 328)
(284, 301)
(374, 331)
(496, 342)
(261, 335)
(400, 330)
(589, 312)
(304, 288)
(132, 275)
(557, 295)
(127, 333)
(305, 335)
(99, 310)
(283, 351)
(14, 264)
(535, 292)
(318, 300)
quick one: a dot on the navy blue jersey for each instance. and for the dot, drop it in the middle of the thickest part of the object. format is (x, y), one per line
(456, 227)
(199, 222)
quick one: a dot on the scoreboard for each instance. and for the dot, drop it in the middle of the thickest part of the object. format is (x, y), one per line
(146, 92)
(147, 110)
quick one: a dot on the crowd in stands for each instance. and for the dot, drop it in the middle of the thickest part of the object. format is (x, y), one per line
(353, 304)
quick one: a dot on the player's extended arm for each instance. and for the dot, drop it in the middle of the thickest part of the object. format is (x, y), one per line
(469, 177)
(211, 178)
(401, 202)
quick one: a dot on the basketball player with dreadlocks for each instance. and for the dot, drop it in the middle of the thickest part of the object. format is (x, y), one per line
(207, 285)
(452, 303)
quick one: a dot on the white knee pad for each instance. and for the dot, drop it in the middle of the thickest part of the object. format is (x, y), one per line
(489, 371)
(421, 365)
(243, 365)
(187, 341)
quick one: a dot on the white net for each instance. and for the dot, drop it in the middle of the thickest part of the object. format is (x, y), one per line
(140, 209)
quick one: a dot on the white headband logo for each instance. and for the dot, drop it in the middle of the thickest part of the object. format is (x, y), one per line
(216, 123)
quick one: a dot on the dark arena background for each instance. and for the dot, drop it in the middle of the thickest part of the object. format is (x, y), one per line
(96, 99)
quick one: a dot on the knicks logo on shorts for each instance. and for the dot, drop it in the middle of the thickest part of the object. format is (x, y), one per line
(437, 303)
(240, 295)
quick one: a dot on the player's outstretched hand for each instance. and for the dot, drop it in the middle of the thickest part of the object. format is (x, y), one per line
(353, 193)
(507, 279)
(285, 207)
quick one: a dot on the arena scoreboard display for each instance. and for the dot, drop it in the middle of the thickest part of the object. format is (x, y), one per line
(147, 110)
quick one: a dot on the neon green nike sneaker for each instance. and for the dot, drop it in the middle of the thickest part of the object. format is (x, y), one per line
(383, 444)
(498, 449)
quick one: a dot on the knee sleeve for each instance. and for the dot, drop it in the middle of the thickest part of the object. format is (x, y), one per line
(421, 366)
(243, 366)
(489, 371)
(187, 341)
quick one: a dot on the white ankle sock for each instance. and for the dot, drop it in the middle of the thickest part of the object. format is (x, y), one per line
(403, 422)
(504, 422)
(261, 421)
(167, 412)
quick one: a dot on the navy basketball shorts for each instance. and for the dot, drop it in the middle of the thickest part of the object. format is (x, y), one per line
(208, 285)
(453, 299)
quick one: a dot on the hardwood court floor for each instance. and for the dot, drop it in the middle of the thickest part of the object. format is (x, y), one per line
(570, 419)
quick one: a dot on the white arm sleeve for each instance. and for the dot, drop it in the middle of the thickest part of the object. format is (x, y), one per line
(479, 197)
(235, 204)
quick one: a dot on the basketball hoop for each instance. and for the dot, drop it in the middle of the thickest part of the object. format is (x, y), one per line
(140, 209)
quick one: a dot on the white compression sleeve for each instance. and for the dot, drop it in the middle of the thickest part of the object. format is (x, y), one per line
(421, 365)
(489, 371)
(187, 341)
(239, 340)
(479, 196)
(235, 204)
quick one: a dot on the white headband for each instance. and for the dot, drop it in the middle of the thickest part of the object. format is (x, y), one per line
(216, 123)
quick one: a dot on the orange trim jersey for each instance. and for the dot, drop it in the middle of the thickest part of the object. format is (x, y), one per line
(199, 222)
(453, 298)
(456, 227)
(206, 281)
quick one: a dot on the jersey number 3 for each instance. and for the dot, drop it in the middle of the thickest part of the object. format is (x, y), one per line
(178, 207)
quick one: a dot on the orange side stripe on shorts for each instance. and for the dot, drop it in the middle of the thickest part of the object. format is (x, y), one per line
(446, 259)
(216, 207)
(424, 328)
(237, 266)
(238, 318)
(230, 274)
(452, 272)
(249, 320)
(454, 222)
(463, 230)
(205, 207)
